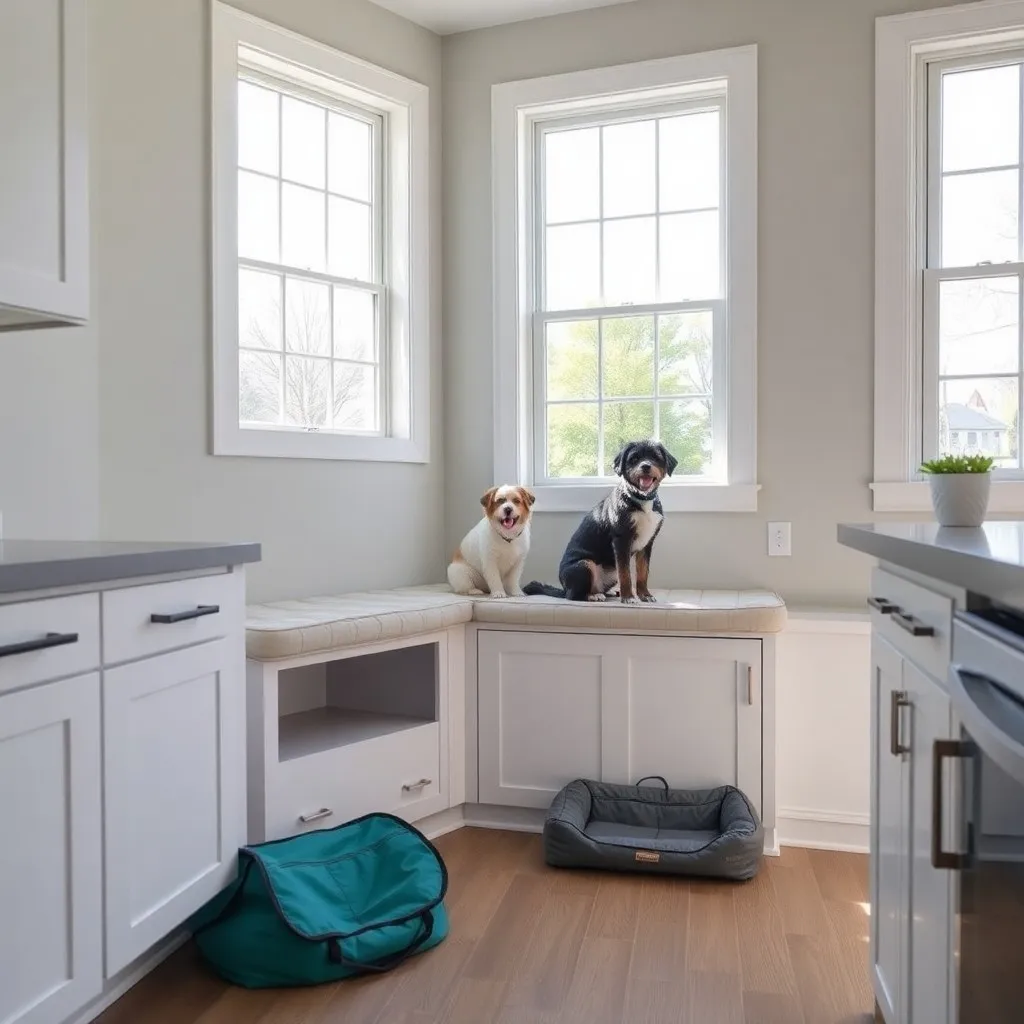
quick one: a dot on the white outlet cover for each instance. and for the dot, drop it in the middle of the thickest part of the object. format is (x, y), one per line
(780, 540)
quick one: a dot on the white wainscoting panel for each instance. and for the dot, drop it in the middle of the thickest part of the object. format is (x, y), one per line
(823, 723)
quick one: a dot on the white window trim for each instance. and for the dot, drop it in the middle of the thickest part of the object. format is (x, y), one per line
(904, 45)
(406, 204)
(515, 108)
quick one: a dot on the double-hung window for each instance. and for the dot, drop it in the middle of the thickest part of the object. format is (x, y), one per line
(625, 293)
(949, 248)
(321, 327)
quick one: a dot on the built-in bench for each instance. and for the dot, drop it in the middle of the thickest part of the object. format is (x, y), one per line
(416, 700)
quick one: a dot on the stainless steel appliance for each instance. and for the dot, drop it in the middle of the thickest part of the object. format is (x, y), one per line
(984, 840)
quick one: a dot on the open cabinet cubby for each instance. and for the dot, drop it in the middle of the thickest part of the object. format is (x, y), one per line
(338, 703)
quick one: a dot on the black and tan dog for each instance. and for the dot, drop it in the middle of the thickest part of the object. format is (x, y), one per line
(617, 529)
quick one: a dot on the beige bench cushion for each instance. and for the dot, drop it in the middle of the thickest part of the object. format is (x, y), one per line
(288, 629)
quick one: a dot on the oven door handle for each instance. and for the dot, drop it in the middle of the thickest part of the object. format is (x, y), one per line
(993, 717)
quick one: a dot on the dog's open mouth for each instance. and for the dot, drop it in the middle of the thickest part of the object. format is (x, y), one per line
(645, 481)
(509, 522)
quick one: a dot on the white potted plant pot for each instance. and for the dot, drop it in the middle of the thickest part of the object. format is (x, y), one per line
(960, 499)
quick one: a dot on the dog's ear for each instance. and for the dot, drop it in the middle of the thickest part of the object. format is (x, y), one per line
(528, 496)
(622, 458)
(487, 497)
(670, 460)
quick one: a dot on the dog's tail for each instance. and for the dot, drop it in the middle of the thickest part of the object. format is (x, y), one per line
(534, 589)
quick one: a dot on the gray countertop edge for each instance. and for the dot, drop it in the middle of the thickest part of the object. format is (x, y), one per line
(978, 573)
(72, 571)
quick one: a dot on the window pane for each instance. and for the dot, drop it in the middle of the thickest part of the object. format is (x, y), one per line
(572, 440)
(259, 387)
(307, 328)
(303, 227)
(307, 389)
(572, 359)
(303, 142)
(979, 218)
(628, 169)
(573, 267)
(571, 163)
(689, 257)
(627, 350)
(688, 149)
(259, 309)
(355, 397)
(629, 249)
(625, 421)
(984, 406)
(684, 353)
(257, 128)
(354, 325)
(980, 118)
(349, 157)
(685, 430)
(350, 242)
(258, 217)
(978, 326)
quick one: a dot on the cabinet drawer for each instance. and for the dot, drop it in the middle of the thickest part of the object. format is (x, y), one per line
(42, 640)
(141, 621)
(354, 780)
(913, 605)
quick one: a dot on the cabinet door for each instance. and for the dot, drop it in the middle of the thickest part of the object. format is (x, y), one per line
(44, 233)
(174, 762)
(540, 714)
(50, 852)
(688, 709)
(890, 808)
(930, 889)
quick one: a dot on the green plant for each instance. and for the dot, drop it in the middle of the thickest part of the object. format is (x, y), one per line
(958, 464)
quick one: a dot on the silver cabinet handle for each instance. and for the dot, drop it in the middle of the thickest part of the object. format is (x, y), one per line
(412, 787)
(750, 685)
(942, 749)
(907, 622)
(884, 605)
(324, 812)
(897, 699)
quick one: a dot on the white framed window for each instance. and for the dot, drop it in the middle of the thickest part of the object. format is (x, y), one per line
(949, 248)
(320, 295)
(625, 277)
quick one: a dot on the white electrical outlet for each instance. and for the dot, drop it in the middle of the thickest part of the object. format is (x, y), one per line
(779, 539)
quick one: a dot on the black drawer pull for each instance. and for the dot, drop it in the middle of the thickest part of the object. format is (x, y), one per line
(194, 613)
(885, 606)
(39, 644)
(915, 627)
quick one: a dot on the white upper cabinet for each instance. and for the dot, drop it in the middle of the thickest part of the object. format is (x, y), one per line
(44, 217)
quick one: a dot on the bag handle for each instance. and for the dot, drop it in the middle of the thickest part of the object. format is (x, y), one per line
(337, 955)
(659, 778)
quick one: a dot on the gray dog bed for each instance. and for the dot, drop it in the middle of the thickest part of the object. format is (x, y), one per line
(710, 832)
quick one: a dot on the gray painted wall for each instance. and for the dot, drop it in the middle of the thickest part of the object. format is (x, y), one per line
(325, 526)
(815, 267)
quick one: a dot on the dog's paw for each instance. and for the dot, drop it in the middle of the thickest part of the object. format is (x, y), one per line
(475, 592)
(648, 598)
(498, 593)
(518, 592)
(595, 597)
(630, 600)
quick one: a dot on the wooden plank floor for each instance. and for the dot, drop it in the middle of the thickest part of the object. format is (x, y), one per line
(532, 945)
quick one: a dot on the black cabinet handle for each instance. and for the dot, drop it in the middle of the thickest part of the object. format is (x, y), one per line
(192, 613)
(883, 605)
(39, 644)
(915, 627)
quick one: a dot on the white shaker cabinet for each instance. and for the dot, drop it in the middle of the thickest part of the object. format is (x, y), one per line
(51, 866)
(554, 707)
(44, 220)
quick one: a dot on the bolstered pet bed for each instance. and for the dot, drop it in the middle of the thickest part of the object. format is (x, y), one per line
(711, 832)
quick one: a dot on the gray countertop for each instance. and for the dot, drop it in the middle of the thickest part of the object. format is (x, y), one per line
(44, 564)
(987, 560)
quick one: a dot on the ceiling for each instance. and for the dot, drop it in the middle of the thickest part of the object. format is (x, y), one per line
(447, 16)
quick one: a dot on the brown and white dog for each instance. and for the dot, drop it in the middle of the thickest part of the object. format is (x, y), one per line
(490, 558)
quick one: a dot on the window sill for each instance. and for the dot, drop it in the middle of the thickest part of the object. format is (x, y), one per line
(674, 497)
(284, 444)
(914, 496)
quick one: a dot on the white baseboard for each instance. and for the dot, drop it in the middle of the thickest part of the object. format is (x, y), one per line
(443, 822)
(509, 819)
(824, 830)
